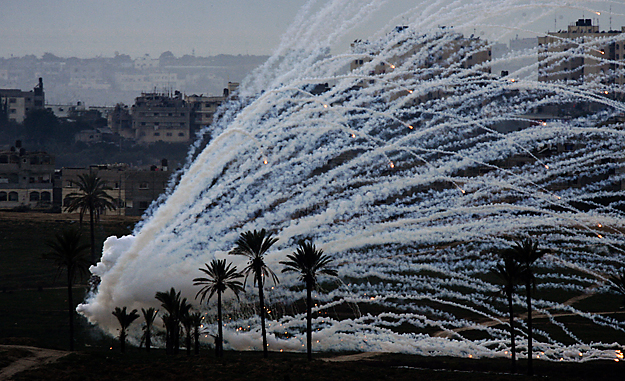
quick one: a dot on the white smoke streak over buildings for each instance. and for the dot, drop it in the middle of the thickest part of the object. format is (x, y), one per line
(409, 168)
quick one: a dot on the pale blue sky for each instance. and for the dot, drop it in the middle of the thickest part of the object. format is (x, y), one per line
(87, 28)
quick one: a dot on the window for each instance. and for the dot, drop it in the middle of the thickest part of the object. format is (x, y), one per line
(143, 204)
(12, 100)
(34, 196)
(169, 134)
(45, 196)
(13, 196)
(3, 196)
(157, 134)
(143, 185)
(181, 134)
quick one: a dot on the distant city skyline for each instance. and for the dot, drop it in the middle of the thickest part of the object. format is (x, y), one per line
(90, 28)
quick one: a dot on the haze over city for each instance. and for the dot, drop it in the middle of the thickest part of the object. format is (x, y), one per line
(91, 28)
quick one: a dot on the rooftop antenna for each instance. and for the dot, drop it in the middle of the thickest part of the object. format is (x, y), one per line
(610, 17)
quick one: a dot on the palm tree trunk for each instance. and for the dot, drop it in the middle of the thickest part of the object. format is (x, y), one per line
(309, 319)
(262, 313)
(122, 340)
(176, 336)
(530, 369)
(220, 332)
(188, 341)
(512, 343)
(196, 334)
(70, 301)
(92, 231)
(148, 338)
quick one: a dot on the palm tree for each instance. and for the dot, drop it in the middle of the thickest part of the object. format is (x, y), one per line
(69, 254)
(510, 273)
(91, 197)
(308, 261)
(221, 276)
(196, 319)
(254, 246)
(124, 319)
(149, 316)
(526, 252)
(171, 302)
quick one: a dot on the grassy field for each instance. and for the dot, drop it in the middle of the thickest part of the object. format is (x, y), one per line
(33, 299)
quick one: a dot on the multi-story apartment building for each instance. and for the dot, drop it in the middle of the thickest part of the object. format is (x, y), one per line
(120, 121)
(133, 189)
(26, 179)
(161, 117)
(17, 103)
(152, 81)
(582, 53)
(204, 107)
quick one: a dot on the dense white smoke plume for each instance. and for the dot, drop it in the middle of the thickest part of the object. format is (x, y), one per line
(409, 168)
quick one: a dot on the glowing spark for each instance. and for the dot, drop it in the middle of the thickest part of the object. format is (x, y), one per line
(606, 92)
(598, 13)
(409, 91)
(600, 236)
(265, 161)
(410, 127)
(353, 135)
(392, 165)
(325, 106)
(599, 225)
(546, 166)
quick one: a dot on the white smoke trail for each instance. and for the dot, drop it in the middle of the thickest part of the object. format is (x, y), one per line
(409, 169)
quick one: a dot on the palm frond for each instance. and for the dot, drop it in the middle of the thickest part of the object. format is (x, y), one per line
(221, 276)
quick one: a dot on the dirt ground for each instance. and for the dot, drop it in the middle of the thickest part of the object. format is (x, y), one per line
(29, 357)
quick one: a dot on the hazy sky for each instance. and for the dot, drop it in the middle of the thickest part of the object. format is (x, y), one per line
(87, 28)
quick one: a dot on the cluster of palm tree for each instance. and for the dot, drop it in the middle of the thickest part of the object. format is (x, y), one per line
(307, 261)
(220, 276)
(517, 268)
(178, 321)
